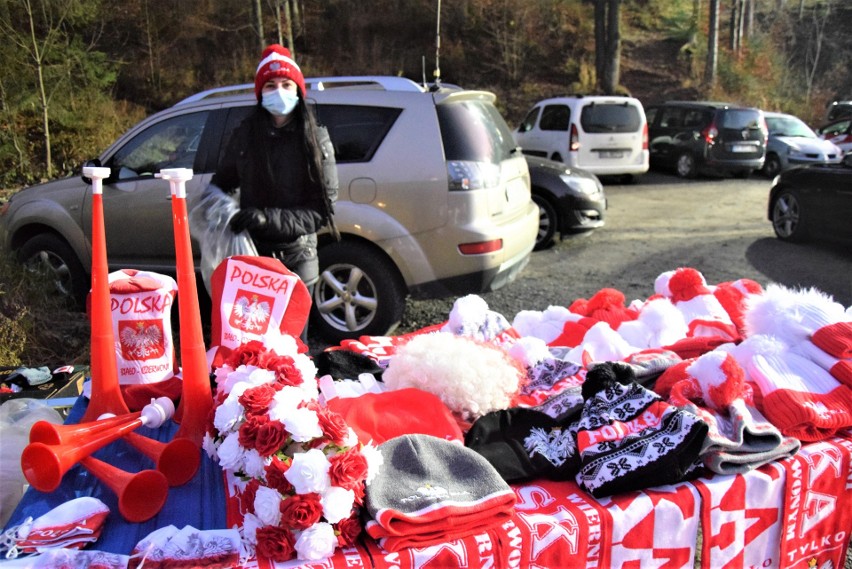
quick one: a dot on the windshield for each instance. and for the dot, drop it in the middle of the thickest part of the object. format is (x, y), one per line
(788, 126)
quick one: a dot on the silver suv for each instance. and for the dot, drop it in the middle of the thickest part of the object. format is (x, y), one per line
(434, 198)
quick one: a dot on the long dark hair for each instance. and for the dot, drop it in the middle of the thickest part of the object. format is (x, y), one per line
(306, 115)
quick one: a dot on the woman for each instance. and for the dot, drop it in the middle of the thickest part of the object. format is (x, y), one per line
(283, 165)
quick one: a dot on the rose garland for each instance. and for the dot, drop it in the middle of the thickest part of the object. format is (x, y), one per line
(300, 470)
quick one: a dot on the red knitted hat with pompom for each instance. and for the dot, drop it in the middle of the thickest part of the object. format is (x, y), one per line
(276, 61)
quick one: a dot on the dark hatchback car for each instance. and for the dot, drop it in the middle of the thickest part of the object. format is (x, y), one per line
(715, 138)
(570, 200)
(812, 201)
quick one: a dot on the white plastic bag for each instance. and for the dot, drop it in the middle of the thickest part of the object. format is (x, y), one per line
(208, 222)
(16, 418)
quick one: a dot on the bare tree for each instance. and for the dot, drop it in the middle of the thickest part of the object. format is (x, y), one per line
(819, 18)
(712, 44)
(607, 44)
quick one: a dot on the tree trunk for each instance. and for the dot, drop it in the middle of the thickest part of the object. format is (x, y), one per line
(613, 48)
(288, 15)
(712, 45)
(258, 23)
(600, 41)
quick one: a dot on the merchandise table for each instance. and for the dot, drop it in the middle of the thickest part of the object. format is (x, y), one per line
(790, 513)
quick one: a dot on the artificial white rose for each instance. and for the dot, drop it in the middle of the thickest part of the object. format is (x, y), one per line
(317, 542)
(309, 472)
(374, 461)
(302, 424)
(337, 504)
(285, 401)
(221, 374)
(227, 415)
(251, 523)
(231, 453)
(267, 506)
(209, 446)
(254, 464)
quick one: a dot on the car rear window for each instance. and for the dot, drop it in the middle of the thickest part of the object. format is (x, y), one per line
(474, 130)
(610, 117)
(740, 119)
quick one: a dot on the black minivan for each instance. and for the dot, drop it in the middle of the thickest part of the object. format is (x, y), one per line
(716, 138)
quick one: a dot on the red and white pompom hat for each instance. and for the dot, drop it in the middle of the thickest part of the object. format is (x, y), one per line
(688, 291)
(276, 61)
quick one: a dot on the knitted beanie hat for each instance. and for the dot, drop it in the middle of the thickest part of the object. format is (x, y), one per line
(704, 314)
(544, 324)
(836, 339)
(799, 397)
(379, 417)
(470, 316)
(629, 438)
(430, 491)
(840, 369)
(606, 305)
(544, 369)
(733, 296)
(523, 444)
(276, 61)
(658, 324)
(789, 314)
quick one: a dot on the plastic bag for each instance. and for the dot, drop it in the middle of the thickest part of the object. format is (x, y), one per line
(208, 222)
(16, 418)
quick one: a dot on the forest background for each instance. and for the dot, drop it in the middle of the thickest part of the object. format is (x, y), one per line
(75, 74)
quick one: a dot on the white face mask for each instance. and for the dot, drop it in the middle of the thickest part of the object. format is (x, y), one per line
(279, 102)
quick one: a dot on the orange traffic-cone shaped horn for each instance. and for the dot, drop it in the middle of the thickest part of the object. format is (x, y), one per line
(140, 495)
(196, 398)
(178, 460)
(52, 434)
(106, 394)
(44, 465)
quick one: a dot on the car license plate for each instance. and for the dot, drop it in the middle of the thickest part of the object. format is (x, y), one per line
(611, 154)
(742, 148)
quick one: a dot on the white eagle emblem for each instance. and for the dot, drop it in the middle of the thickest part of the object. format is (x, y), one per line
(251, 314)
(140, 341)
(556, 446)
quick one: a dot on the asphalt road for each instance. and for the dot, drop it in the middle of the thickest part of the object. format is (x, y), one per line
(660, 223)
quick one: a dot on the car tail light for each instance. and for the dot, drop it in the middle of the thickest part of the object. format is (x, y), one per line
(481, 247)
(468, 175)
(645, 137)
(710, 133)
(574, 142)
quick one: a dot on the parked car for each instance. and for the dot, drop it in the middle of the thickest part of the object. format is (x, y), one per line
(838, 110)
(716, 138)
(569, 200)
(434, 198)
(812, 201)
(793, 143)
(601, 134)
(840, 133)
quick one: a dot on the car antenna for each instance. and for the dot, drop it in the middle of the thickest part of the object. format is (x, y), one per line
(437, 72)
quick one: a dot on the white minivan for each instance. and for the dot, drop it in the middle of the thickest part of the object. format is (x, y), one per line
(604, 135)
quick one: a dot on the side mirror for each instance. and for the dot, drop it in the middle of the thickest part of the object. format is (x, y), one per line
(94, 163)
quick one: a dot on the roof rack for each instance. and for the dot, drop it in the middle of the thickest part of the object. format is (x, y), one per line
(386, 82)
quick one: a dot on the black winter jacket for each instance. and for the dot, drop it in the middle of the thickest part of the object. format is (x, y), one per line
(270, 167)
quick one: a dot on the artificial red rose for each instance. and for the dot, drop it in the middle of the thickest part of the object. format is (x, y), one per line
(333, 425)
(250, 430)
(286, 372)
(275, 479)
(347, 531)
(246, 354)
(257, 399)
(348, 469)
(247, 496)
(275, 543)
(358, 489)
(271, 436)
(301, 511)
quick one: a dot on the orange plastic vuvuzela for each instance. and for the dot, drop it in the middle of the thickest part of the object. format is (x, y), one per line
(196, 398)
(106, 395)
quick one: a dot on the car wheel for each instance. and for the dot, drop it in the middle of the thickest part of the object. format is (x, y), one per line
(772, 166)
(52, 257)
(788, 217)
(359, 292)
(547, 223)
(685, 166)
